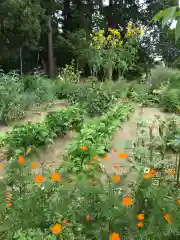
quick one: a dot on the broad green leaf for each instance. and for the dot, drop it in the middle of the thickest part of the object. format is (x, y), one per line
(177, 14)
(168, 16)
(177, 30)
(162, 13)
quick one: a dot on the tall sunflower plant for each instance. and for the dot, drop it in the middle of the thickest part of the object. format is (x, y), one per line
(112, 51)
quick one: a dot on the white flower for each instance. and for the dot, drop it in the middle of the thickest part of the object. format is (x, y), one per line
(147, 170)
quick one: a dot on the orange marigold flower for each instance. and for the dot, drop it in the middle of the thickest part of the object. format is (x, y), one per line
(56, 177)
(105, 158)
(123, 155)
(148, 175)
(114, 236)
(140, 224)
(178, 201)
(167, 218)
(1, 165)
(116, 166)
(39, 179)
(140, 216)
(89, 166)
(88, 218)
(94, 158)
(21, 159)
(116, 179)
(9, 204)
(56, 228)
(127, 201)
(34, 165)
(84, 148)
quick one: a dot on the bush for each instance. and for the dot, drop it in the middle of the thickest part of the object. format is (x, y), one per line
(170, 100)
(40, 134)
(11, 105)
(164, 75)
(43, 88)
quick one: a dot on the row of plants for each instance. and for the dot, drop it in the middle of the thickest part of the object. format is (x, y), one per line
(81, 206)
(34, 135)
(65, 220)
(94, 139)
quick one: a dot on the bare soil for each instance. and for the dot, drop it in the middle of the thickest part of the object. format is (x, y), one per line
(123, 141)
(37, 114)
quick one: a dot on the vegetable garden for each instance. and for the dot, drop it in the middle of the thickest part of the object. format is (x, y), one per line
(91, 158)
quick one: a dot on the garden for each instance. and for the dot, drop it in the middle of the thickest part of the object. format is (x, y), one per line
(93, 150)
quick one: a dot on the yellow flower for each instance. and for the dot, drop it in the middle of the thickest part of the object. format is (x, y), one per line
(141, 32)
(116, 32)
(114, 44)
(109, 37)
(101, 31)
(129, 25)
(95, 39)
(110, 29)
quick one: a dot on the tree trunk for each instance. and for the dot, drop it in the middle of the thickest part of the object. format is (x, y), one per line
(21, 61)
(50, 48)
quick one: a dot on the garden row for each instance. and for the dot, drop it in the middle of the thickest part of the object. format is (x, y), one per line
(92, 141)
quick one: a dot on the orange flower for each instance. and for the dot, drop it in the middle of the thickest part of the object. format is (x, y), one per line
(1, 165)
(148, 175)
(88, 218)
(116, 179)
(65, 222)
(123, 155)
(105, 158)
(39, 179)
(56, 228)
(89, 166)
(153, 171)
(140, 224)
(167, 218)
(114, 236)
(21, 159)
(94, 158)
(178, 201)
(140, 216)
(84, 148)
(56, 177)
(9, 204)
(34, 165)
(116, 166)
(127, 201)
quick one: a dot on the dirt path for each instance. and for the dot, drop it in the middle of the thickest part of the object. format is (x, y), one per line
(50, 157)
(123, 143)
(37, 114)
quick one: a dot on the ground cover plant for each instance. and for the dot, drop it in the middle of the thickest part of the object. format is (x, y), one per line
(81, 206)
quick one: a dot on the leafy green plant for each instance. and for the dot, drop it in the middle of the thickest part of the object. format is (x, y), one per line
(170, 100)
(70, 73)
(11, 106)
(40, 134)
(97, 135)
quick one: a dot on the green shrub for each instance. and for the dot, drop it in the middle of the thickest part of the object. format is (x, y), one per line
(97, 134)
(164, 75)
(62, 88)
(43, 88)
(11, 105)
(65, 120)
(170, 100)
(40, 134)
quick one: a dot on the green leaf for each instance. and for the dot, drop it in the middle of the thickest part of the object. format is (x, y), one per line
(177, 14)
(168, 15)
(177, 30)
(162, 13)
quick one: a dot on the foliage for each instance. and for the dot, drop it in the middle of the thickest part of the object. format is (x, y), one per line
(70, 73)
(163, 76)
(170, 100)
(11, 106)
(42, 88)
(112, 52)
(40, 134)
(96, 135)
